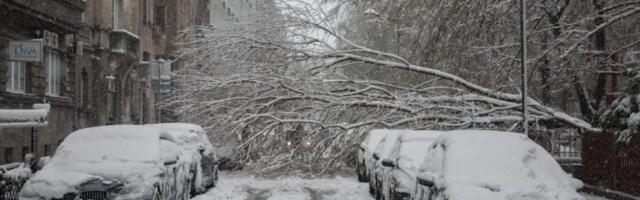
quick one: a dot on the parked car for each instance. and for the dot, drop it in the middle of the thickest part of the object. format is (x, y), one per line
(196, 143)
(491, 165)
(381, 152)
(113, 162)
(401, 166)
(365, 152)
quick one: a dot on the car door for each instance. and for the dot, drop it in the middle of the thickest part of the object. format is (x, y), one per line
(434, 164)
(171, 179)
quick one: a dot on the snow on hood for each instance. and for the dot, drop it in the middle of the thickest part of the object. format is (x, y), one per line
(495, 165)
(123, 153)
(54, 183)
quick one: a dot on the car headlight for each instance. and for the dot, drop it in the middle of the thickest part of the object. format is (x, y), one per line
(288, 143)
(308, 143)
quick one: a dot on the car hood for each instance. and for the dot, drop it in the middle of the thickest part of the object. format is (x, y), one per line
(462, 191)
(54, 184)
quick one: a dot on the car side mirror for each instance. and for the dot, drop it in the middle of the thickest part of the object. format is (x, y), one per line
(171, 162)
(426, 179)
(388, 163)
(375, 156)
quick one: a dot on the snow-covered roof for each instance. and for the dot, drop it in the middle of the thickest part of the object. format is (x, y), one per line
(25, 117)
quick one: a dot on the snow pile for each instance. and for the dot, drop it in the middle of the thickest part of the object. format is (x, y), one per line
(35, 116)
(499, 165)
(123, 153)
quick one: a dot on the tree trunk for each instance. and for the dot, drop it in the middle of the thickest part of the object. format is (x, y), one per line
(600, 45)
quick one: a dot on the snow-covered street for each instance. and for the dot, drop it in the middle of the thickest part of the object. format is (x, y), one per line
(240, 186)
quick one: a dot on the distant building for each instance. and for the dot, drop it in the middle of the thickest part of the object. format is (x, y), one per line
(232, 11)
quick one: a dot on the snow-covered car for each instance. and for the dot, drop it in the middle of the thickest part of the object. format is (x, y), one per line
(194, 140)
(381, 152)
(401, 166)
(491, 165)
(122, 162)
(365, 152)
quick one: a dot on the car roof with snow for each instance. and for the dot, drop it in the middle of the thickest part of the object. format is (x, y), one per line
(374, 137)
(187, 135)
(501, 162)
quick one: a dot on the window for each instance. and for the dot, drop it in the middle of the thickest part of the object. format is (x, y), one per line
(8, 155)
(15, 76)
(117, 14)
(159, 14)
(52, 61)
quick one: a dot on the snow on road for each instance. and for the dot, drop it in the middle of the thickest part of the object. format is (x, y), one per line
(241, 186)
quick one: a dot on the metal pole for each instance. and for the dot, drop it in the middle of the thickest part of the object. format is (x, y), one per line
(523, 57)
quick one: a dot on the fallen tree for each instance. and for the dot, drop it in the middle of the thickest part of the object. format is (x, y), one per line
(253, 82)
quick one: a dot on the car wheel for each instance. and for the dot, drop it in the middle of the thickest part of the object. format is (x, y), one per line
(360, 175)
(379, 193)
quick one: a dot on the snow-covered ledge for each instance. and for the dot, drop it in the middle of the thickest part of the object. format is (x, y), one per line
(17, 118)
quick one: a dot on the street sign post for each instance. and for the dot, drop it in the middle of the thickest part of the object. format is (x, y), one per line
(26, 50)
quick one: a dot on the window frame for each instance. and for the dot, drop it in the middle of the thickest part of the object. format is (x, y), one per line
(53, 72)
(16, 77)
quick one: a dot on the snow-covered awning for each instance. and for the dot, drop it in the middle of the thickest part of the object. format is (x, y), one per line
(18, 118)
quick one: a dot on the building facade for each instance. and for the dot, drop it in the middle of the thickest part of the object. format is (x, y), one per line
(49, 79)
(99, 64)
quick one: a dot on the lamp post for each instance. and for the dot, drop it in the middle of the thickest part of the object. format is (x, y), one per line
(523, 61)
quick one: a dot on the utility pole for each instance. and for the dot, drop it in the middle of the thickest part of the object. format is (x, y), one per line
(523, 60)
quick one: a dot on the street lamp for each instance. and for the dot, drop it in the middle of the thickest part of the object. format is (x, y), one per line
(523, 61)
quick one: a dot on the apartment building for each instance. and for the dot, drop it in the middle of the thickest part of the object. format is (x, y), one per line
(98, 64)
(37, 60)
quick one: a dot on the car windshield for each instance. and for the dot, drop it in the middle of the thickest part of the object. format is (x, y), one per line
(412, 154)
